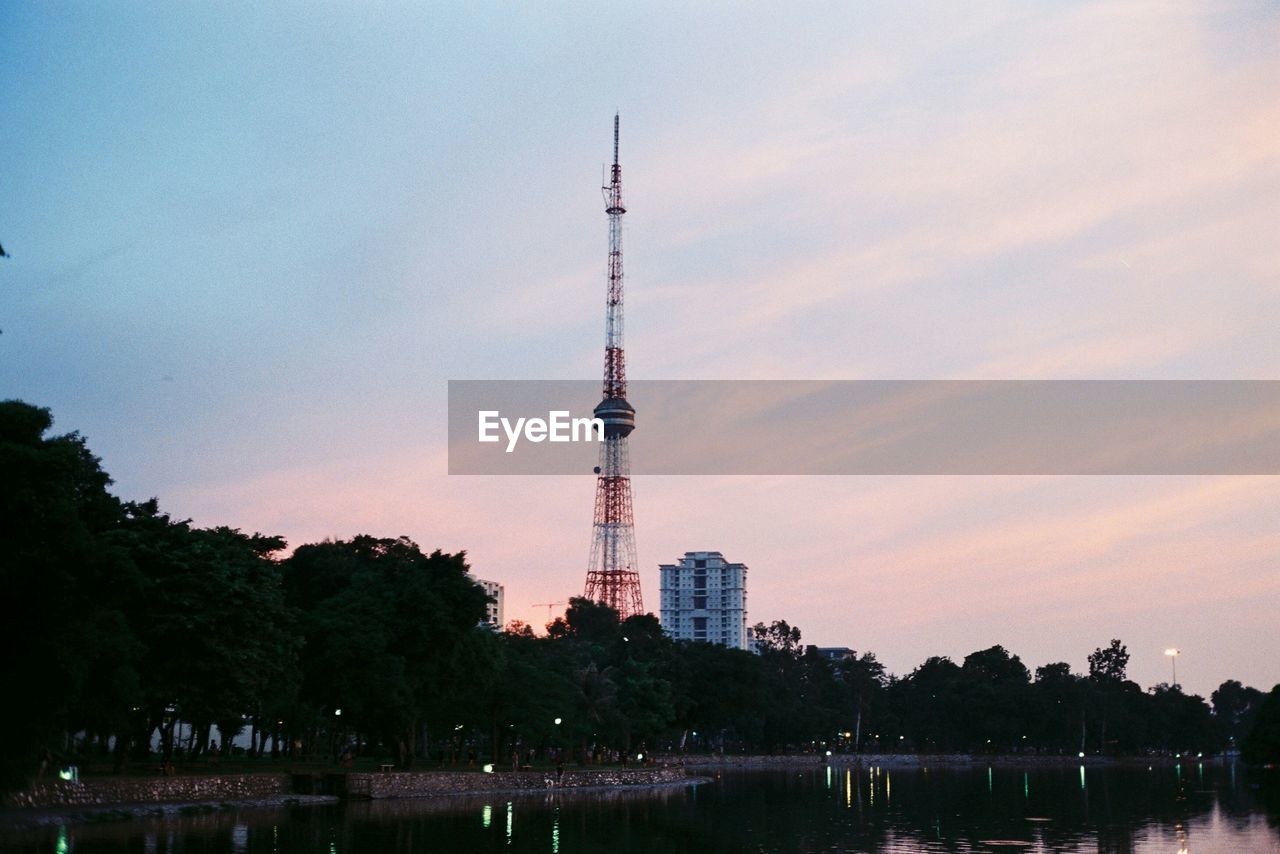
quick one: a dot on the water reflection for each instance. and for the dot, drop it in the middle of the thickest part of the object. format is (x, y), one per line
(937, 809)
(239, 838)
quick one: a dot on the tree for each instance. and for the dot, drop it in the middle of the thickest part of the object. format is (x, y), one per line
(475, 671)
(719, 693)
(1235, 707)
(125, 620)
(219, 637)
(994, 685)
(777, 637)
(1108, 665)
(1107, 674)
(382, 622)
(70, 657)
(1262, 746)
(591, 622)
(866, 680)
(1058, 708)
(781, 658)
(926, 706)
(535, 688)
(996, 666)
(1178, 722)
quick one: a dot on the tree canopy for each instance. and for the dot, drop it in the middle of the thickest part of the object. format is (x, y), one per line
(125, 621)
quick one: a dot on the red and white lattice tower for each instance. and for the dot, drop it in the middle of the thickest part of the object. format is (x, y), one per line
(612, 576)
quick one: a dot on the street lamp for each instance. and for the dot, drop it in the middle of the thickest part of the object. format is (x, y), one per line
(1173, 654)
(555, 739)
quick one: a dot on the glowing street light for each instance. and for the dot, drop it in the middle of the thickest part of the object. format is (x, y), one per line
(1173, 654)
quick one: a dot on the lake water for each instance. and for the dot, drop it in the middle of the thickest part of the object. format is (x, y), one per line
(1193, 808)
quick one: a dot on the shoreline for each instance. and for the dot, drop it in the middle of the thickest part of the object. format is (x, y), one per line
(116, 799)
(31, 818)
(122, 799)
(934, 760)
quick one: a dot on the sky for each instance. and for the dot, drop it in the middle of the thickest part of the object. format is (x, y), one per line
(251, 243)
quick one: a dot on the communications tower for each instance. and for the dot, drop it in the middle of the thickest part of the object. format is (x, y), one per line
(612, 576)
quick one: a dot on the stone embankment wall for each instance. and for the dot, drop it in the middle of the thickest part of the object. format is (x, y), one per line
(417, 784)
(109, 791)
(121, 791)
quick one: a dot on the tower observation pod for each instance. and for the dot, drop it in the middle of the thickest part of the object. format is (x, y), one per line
(612, 573)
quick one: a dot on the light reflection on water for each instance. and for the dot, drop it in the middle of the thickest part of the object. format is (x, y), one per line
(1156, 808)
(239, 838)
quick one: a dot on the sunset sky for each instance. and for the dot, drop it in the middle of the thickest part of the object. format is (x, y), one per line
(252, 242)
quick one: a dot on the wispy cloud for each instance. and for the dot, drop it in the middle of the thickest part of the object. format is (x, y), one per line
(1013, 191)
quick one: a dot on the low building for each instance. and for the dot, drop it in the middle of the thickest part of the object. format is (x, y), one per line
(704, 598)
(836, 653)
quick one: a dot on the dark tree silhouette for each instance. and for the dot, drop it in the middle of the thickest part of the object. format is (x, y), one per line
(124, 621)
(1262, 746)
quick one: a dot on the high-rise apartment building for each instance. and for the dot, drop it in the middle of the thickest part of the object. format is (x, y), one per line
(704, 598)
(494, 590)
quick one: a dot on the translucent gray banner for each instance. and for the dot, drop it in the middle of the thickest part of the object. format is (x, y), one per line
(910, 427)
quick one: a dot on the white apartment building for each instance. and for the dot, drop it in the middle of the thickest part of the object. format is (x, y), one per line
(704, 598)
(494, 616)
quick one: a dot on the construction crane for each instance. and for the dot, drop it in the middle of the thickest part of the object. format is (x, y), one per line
(550, 606)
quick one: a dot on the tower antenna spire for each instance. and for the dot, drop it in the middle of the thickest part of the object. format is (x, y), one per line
(612, 572)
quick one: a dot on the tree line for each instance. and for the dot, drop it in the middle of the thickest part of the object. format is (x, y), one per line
(123, 621)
